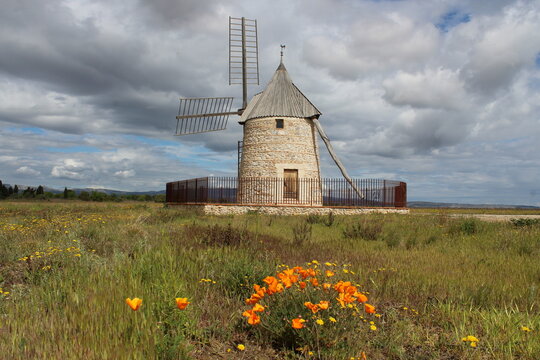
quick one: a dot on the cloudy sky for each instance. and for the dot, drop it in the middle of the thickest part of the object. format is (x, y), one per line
(442, 94)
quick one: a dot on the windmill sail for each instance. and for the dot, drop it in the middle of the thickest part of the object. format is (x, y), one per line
(198, 115)
(243, 54)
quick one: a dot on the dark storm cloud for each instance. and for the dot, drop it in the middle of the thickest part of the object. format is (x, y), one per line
(176, 14)
(124, 76)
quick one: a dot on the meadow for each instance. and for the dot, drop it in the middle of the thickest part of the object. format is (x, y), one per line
(263, 287)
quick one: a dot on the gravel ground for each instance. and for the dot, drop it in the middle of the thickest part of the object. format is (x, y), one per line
(490, 217)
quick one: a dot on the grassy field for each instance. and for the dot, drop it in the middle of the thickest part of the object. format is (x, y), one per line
(66, 270)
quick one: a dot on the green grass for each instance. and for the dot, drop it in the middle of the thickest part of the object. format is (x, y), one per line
(460, 275)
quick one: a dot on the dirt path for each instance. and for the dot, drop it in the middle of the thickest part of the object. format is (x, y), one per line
(492, 217)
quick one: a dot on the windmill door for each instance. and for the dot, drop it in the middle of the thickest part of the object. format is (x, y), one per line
(290, 182)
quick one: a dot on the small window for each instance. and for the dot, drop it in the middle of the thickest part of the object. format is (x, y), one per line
(279, 124)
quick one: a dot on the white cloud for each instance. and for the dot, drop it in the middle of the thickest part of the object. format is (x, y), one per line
(372, 43)
(437, 89)
(69, 169)
(501, 46)
(125, 173)
(25, 170)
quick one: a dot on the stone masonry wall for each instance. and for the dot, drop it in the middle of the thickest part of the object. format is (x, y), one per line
(285, 210)
(268, 151)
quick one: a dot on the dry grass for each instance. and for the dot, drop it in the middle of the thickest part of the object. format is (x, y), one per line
(461, 276)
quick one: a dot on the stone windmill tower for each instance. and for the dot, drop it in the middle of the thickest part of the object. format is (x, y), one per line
(280, 142)
(280, 155)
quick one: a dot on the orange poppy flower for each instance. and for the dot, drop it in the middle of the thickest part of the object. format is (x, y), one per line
(258, 308)
(313, 307)
(324, 305)
(259, 290)
(302, 285)
(288, 272)
(287, 278)
(345, 299)
(182, 303)
(270, 280)
(252, 317)
(314, 282)
(327, 286)
(287, 282)
(361, 297)
(258, 295)
(274, 286)
(342, 286)
(329, 273)
(370, 309)
(134, 304)
(298, 323)
(253, 299)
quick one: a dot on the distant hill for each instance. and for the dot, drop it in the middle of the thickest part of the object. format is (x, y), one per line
(79, 190)
(428, 204)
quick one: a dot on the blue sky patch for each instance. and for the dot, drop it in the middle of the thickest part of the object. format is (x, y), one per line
(451, 19)
(538, 59)
(72, 149)
(152, 141)
(33, 130)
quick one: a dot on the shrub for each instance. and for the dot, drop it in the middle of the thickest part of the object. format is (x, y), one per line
(301, 233)
(363, 230)
(218, 235)
(314, 219)
(330, 219)
(524, 222)
(469, 226)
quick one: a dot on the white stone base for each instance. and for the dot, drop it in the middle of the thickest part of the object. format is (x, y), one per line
(221, 209)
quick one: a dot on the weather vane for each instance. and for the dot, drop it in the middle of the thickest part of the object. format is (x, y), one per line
(282, 47)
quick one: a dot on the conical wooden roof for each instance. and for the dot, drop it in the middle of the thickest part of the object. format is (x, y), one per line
(280, 98)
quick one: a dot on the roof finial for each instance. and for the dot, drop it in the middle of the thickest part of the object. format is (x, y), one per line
(282, 47)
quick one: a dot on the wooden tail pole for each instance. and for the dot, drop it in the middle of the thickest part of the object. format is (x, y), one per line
(334, 156)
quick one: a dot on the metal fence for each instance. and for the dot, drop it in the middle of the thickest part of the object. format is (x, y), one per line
(277, 191)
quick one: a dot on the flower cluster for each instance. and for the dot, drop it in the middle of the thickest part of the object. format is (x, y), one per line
(60, 224)
(523, 328)
(316, 307)
(346, 294)
(135, 303)
(51, 251)
(472, 340)
(209, 281)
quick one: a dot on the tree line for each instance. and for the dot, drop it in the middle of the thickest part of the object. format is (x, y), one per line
(13, 192)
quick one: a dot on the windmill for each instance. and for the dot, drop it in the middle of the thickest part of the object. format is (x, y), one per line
(279, 123)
